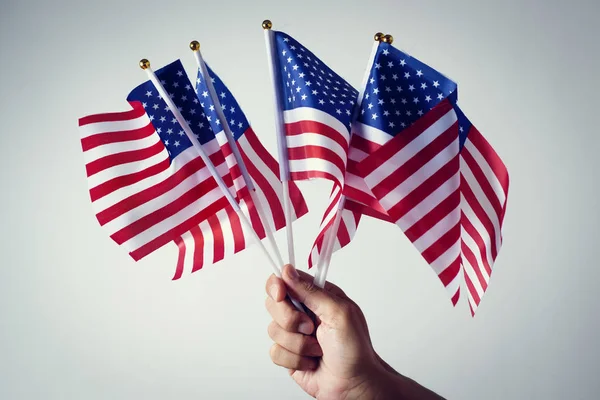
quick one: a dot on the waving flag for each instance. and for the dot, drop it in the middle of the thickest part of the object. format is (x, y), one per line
(219, 236)
(147, 183)
(417, 174)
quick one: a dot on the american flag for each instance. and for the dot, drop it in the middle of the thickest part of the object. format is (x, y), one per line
(317, 113)
(414, 170)
(221, 234)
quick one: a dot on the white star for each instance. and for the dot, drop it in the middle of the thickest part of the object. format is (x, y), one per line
(386, 113)
(380, 102)
(338, 111)
(423, 86)
(155, 106)
(428, 98)
(176, 143)
(436, 84)
(377, 66)
(298, 89)
(308, 83)
(148, 93)
(192, 111)
(395, 76)
(163, 119)
(286, 39)
(404, 101)
(175, 84)
(304, 97)
(411, 88)
(166, 142)
(205, 94)
(386, 52)
(146, 105)
(295, 67)
(301, 74)
(390, 64)
(402, 63)
(181, 133)
(440, 96)
(222, 95)
(420, 112)
(200, 125)
(408, 113)
(460, 128)
(376, 91)
(419, 73)
(232, 110)
(289, 60)
(169, 131)
(407, 75)
(284, 52)
(315, 92)
(388, 89)
(416, 100)
(370, 106)
(212, 107)
(393, 101)
(218, 121)
(374, 116)
(232, 122)
(240, 125)
(183, 98)
(151, 117)
(392, 125)
(179, 73)
(372, 80)
(321, 101)
(158, 130)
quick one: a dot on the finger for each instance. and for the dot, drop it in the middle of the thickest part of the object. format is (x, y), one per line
(288, 317)
(287, 359)
(275, 288)
(330, 287)
(296, 343)
(324, 304)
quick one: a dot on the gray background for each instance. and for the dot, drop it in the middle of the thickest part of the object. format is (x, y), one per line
(80, 320)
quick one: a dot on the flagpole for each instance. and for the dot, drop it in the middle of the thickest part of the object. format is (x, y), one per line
(284, 169)
(331, 234)
(195, 46)
(145, 65)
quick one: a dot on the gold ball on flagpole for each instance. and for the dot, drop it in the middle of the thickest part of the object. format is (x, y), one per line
(267, 24)
(195, 45)
(378, 37)
(389, 39)
(144, 64)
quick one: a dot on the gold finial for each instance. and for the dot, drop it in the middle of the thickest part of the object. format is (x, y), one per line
(389, 39)
(144, 64)
(378, 37)
(194, 45)
(267, 24)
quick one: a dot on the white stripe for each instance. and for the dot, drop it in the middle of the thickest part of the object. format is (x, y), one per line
(430, 202)
(447, 258)
(483, 201)
(119, 147)
(190, 248)
(438, 230)
(471, 300)
(487, 170)
(372, 134)
(181, 216)
(318, 140)
(470, 243)
(316, 164)
(114, 126)
(208, 248)
(126, 169)
(357, 155)
(470, 215)
(454, 285)
(411, 149)
(227, 231)
(312, 114)
(417, 179)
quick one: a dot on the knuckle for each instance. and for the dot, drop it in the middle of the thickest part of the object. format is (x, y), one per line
(309, 286)
(289, 319)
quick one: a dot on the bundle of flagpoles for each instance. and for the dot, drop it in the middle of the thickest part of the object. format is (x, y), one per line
(436, 176)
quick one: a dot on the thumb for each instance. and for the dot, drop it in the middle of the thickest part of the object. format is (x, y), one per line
(322, 303)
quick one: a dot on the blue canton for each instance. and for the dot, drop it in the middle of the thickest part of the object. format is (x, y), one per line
(179, 87)
(308, 82)
(400, 90)
(238, 123)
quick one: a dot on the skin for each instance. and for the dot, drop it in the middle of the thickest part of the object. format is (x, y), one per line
(338, 362)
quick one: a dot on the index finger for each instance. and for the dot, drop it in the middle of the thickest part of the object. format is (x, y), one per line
(275, 288)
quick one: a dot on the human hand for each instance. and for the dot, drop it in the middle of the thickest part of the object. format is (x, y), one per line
(339, 362)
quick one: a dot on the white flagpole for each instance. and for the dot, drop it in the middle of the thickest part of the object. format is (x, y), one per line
(195, 46)
(145, 65)
(284, 169)
(331, 234)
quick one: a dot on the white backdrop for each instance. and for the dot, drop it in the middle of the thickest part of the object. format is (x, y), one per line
(80, 320)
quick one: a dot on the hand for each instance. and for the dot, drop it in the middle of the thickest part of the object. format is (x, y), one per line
(339, 362)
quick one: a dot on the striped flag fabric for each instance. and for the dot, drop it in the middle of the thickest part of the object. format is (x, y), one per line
(147, 183)
(222, 234)
(419, 175)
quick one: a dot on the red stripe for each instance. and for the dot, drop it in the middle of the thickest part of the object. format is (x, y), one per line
(322, 153)
(414, 198)
(275, 208)
(483, 182)
(218, 239)
(446, 241)
(123, 158)
(198, 236)
(163, 213)
(119, 182)
(180, 258)
(363, 144)
(456, 297)
(318, 128)
(366, 210)
(255, 219)
(401, 140)
(491, 157)
(446, 140)
(101, 139)
(236, 227)
(178, 230)
(469, 228)
(472, 291)
(352, 168)
(450, 273)
(342, 234)
(480, 214)
(298, 202)
(136, 112)
(152, 192)
(470, 257)
(434, 216)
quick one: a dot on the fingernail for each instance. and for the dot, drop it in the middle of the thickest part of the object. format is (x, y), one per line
(274, 290)
(305, 328)
(292, 273)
